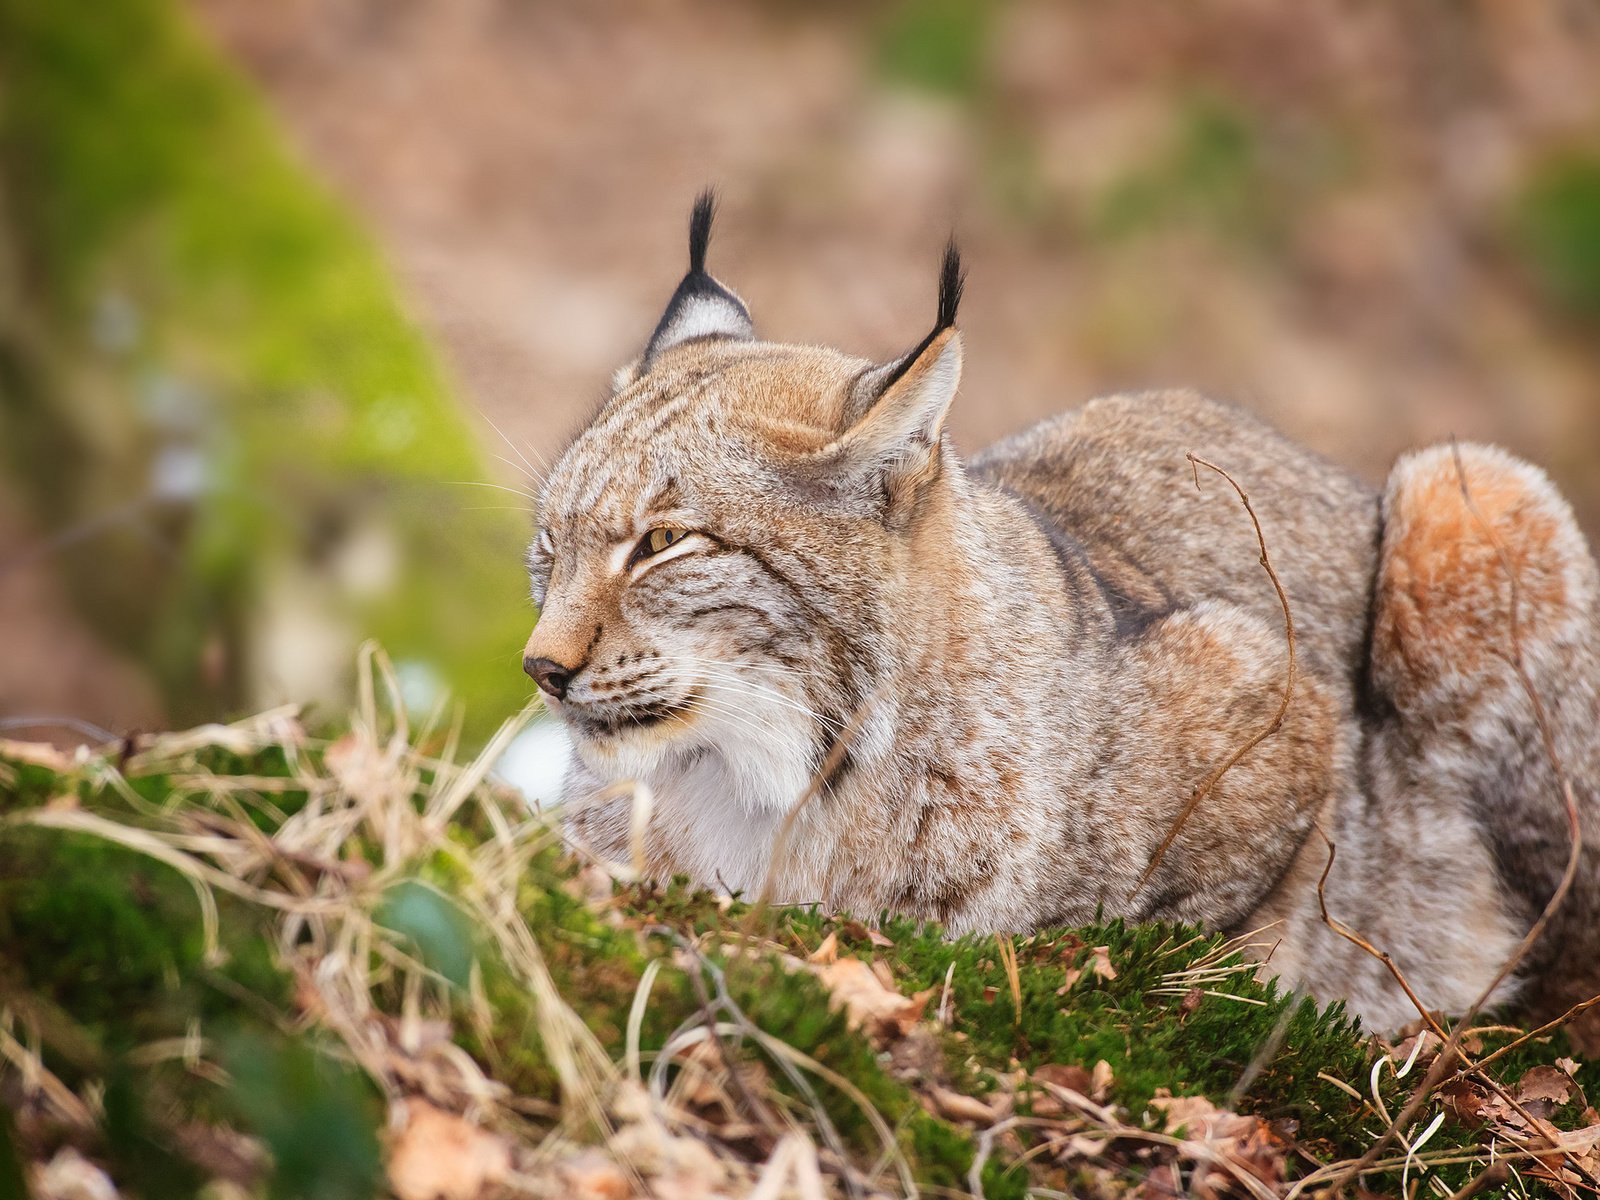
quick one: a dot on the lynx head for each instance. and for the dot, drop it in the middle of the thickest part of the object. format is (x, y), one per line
(720, 552)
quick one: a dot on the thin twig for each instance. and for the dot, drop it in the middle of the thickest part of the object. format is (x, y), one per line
(780, 843)
(1492, 1176)
(1451, 1049)
(1576, 1010)
(1350, 935)
(1272, 727)
(1546, 734)
(757, 1112)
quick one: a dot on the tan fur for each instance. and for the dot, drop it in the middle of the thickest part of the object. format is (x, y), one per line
(1042, 654)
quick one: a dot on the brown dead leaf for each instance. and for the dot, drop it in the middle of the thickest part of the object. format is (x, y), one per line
(590, 1175)
(1070, 1078)
(1100, 1080)
(956, 1106)
(878, 939)
(1246, 1143)
(1100, 962)
(678, 1167)
(1544, 1089)
(1191, 1001)
(826, 953)
(883, 1012)
(439, 1156)
(1164, 1182)
(1424, 1043)
(1190, 1115)
(1470, 1102)
(705, 1083)
(1073, 975)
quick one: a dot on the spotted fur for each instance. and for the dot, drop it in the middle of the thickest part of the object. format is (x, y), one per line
(1034, 658)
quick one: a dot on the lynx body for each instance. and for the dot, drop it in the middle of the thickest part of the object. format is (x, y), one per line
(983, 692)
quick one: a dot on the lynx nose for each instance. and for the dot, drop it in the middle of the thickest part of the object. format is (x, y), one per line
(550, 675)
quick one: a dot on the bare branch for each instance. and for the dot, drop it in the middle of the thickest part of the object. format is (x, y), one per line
(1272, 727)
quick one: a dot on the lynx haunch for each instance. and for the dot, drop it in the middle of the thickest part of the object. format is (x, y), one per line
(765, 574)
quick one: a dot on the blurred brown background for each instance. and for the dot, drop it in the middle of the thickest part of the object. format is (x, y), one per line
(1327, 210)
(1376, 222)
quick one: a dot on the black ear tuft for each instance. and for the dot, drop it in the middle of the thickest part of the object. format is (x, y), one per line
(872, 384)
(700, 307)
(952, 280)
(705, 207)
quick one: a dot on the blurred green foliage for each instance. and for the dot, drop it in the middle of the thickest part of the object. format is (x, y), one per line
(205, 343)
(1210, 173)
(1557, 223)
(317, 1116)
(431, 924)
(937, 46)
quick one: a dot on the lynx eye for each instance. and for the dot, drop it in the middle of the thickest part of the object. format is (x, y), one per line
(657, 540)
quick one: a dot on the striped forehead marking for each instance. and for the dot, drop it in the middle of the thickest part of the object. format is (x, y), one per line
(653, 401)
(594, 469)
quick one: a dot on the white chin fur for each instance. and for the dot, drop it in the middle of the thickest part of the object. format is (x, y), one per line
(763, 749)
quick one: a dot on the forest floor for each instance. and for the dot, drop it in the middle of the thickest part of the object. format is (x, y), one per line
(259, 962)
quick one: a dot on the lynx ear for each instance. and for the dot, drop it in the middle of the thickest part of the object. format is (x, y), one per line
(701, 307)
(895, 413)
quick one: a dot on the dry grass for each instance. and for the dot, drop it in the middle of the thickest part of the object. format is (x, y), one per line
(724, 1103)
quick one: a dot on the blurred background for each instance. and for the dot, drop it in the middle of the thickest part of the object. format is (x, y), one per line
(281, 283)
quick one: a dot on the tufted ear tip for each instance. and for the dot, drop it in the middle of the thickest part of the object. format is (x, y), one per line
(874, 385)
(952, 282)
(701, 307)
(705, 207)
(898, 437)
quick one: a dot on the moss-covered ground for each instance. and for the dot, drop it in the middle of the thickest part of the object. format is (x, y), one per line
(235, 955)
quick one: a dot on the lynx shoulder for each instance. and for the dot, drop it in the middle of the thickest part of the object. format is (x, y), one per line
(852, 668)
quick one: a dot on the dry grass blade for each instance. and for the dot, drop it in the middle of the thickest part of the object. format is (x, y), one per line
(38, 1080)
(328, 937)
(1008, 958)
(1208, 785)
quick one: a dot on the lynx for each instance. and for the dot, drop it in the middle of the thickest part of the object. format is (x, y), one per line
(854, 670)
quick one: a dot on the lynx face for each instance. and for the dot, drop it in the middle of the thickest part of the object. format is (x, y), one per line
(714, 549)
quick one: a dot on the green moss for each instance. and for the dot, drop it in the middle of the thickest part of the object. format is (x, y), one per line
(103, 955)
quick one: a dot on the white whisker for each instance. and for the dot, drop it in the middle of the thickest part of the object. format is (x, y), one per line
(535, 475)
(528, 496)
(708, 676)
(706, 706)
(771, 668)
